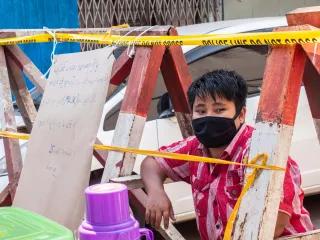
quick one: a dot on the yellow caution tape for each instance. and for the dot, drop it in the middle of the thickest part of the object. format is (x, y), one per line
(248, 183)
(176, 156)
(260, 38)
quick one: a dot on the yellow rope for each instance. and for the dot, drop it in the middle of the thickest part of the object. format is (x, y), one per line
(176, 156)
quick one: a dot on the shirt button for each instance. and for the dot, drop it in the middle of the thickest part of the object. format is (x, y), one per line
(217, 226)
(234, 192)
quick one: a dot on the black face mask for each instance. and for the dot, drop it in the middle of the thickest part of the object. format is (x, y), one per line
(214, 132)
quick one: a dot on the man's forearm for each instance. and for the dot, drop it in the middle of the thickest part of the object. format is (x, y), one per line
(152, 175)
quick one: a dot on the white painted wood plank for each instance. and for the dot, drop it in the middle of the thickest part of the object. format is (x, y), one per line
(128, 133)
(274, 140)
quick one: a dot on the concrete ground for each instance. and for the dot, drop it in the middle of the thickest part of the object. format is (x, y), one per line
(312, 203)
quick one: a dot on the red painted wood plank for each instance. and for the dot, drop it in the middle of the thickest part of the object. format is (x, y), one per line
(176, 76)
(311, 16)
(142, 80)
(5, 197)
(311, 77)
(308, 15)
(177, 79)
(121, 68)
(311, 80)
(16, 54)
(281, 84)
(313, 53)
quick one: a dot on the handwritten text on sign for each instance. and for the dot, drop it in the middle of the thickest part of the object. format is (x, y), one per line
(57, 165)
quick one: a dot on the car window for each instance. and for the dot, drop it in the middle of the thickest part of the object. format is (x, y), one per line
(248, 61)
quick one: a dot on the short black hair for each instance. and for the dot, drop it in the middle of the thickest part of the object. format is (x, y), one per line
(222, 83)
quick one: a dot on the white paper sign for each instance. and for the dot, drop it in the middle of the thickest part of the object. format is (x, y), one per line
(57, 166)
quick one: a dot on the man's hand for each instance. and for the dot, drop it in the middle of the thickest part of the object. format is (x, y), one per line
(158, 204)
(158, 207)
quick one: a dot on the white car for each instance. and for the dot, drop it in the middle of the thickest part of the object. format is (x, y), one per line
(249, 61)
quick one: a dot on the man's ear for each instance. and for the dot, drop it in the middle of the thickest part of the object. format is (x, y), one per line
(242, 115)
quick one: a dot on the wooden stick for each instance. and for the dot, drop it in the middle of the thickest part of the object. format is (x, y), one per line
(11, 146)
(27, 66)
(23, 97)
(177, 79)
(273, 132)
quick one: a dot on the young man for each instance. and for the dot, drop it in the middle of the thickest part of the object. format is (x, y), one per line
(218, 102)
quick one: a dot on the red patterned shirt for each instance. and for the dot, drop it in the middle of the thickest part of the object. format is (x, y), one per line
(216, 187)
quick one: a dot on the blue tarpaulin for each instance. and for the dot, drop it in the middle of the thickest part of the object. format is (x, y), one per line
(39, 14)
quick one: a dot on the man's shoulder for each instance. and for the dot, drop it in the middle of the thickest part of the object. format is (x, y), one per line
(246, 133)
(193, 142)
(188, 143)
(249, 128)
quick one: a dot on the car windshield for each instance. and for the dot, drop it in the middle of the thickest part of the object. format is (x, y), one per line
(248, 61)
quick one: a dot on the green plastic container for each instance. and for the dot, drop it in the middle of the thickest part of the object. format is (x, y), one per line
(18, 224)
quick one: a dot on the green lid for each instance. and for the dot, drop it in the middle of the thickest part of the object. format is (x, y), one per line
(18, 224)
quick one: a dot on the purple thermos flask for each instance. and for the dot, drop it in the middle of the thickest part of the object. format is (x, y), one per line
(108, 216)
